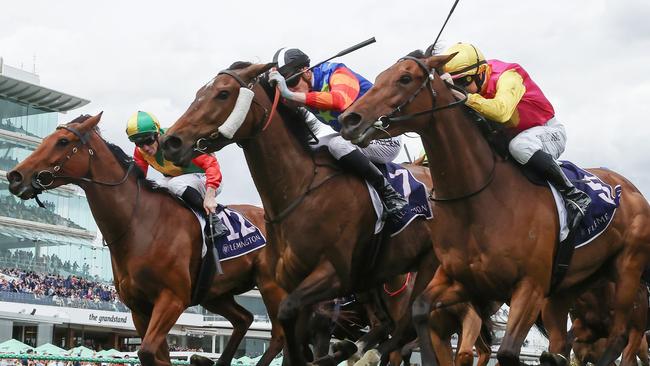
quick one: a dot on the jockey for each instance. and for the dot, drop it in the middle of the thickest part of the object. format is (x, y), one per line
(326, 91)
(197, 184)
(504, 92)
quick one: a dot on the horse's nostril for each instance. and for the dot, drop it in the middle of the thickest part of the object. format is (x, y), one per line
(172, 142)
(14, 177)
(352, 119)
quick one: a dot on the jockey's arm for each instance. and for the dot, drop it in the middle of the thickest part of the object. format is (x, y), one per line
(510, 90)
(344, 89)
(140, 162)
(210, 165)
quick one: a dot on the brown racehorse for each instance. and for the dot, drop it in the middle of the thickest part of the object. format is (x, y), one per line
(155, 243)
(320, 222)
(591, 314)
(495, 232)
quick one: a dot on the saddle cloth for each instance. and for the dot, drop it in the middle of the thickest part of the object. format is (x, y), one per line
(410, 188)
(244, 237)
(604, 202)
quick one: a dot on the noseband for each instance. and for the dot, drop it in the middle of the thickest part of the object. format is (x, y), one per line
(203, 143)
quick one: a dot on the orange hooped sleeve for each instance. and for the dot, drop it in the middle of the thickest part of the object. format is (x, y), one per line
(344, 89)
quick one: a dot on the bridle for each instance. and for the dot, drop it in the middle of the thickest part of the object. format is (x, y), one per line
(263, 124)
(384, 121)
(203, 143)
(44, 179)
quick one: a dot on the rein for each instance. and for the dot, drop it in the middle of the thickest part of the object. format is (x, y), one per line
(401, 289)
(386, 120)
(45, 178)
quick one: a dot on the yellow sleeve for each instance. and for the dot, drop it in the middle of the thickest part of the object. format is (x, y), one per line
(510, 89)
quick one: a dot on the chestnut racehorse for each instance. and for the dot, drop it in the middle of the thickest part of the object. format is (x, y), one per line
(591, 315)
(495, 232)
(320, 221)
(155, 242)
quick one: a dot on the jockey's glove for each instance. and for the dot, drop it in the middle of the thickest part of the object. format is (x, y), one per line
(281, 83)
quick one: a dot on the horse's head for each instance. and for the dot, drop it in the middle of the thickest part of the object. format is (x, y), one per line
(220, 114)
(60, 158)
(410, 86)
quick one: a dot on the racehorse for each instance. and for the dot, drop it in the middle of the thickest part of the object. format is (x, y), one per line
(495, 233)
(591, 315)
(320, 222)
(155, 243)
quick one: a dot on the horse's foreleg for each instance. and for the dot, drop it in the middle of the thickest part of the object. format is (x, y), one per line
(554, 316)
(321, 284)
(525, 306)
(642, 352)
(443, 291)
(629, 270)
(240, 318)
(630, 350)
(471, 329)
(484, 350)
(166, 310)
(272, 295)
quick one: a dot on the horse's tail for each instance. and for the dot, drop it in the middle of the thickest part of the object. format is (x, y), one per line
(540, 327)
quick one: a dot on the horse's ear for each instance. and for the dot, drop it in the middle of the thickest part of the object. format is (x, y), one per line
(438, 61)
(257, 69)
(91, 122)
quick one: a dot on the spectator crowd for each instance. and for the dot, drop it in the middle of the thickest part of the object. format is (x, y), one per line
(61, 290)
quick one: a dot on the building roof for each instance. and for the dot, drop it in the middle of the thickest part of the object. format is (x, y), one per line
(27, 92)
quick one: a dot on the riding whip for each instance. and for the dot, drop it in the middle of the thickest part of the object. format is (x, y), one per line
(342, 53)
(429, 50)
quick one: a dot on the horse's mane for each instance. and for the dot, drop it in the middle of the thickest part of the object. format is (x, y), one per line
(123, 158)
(297, 120)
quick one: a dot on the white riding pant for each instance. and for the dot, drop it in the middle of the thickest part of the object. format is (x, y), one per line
(177, 185)
(379, 151)
(550, 138)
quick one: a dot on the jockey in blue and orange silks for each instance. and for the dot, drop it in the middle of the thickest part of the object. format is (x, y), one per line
(326, 91)
(504, 92)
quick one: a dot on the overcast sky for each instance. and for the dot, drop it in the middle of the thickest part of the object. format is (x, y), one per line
(591, 58)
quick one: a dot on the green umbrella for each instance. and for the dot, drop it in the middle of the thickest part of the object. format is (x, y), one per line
(14, 346)
(110, 353)
(81, 351)
(49, 349)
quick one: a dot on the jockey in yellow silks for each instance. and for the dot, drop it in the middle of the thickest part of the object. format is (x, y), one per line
(504, 92)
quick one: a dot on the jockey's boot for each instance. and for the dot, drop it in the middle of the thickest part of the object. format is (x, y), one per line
(575, 200)
(214, 228)
(357, 163)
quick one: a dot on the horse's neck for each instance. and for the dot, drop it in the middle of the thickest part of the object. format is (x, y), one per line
(461, 160)
(280, 167)
(111, 206)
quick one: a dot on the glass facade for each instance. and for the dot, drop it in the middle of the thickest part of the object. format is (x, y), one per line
(26, 245)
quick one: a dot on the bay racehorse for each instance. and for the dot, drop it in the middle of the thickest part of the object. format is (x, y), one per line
(495, 233)
(154, 241)
(320, 222)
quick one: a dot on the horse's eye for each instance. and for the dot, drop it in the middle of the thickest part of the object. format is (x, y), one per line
(405, 79)
(223, 95)
(63, 142)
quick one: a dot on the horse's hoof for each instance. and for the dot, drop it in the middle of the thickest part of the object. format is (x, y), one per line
(370, 358)
(552, 359)
(196, 360)
(346, 347)
(146, 358)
